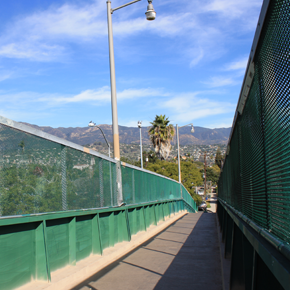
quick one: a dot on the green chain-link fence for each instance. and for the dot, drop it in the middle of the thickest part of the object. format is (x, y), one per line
(256, 175)
(41, 173)
(38, 175)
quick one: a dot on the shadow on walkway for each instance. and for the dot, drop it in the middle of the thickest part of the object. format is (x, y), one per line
(184, 256)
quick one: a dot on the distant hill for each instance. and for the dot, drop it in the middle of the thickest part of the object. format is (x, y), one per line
(129, 135)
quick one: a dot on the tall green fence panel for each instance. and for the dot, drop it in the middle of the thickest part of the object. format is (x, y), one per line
(41, 173)
(255, 178)
(38, 175)
(140, 186)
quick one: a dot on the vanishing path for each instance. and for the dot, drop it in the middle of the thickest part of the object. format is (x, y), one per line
(184, 256)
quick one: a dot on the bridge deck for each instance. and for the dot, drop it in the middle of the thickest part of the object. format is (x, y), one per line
(184, 256)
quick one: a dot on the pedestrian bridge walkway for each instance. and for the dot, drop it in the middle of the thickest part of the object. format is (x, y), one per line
(61, 223)
(185, 255)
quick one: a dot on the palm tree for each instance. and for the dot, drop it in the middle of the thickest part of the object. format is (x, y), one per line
(161, 133)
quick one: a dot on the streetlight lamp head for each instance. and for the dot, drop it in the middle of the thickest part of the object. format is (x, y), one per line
(91, 124)
(192, 129)
(150, 14)
(139, 124)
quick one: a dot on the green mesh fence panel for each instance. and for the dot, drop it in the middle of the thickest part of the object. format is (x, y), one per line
(30, 173)
(141, 186)
(187, 197)
(256, 174)
(39, 175)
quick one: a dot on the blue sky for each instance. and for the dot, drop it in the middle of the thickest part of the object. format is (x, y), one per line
(187, 64)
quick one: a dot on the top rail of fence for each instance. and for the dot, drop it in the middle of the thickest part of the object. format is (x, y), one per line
(53, 138)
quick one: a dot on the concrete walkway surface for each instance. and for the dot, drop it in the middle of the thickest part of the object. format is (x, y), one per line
(186, 255)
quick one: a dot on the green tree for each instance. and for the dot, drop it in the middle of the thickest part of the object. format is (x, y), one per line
(212, 174)
(190, 174)
(161, 133)
(218, 157)
(128, 160)
(151, 155)
(22, 145)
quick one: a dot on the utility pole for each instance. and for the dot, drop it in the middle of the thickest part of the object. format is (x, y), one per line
(204, 175)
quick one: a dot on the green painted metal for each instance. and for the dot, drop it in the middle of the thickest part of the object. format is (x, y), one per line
(72, 241)
(96, 237)
(142, 186)
(128, 225)
(255, 178)
(137, 220)
(46, 250)
(17, 255)
(41, 271)
(143, 214)
(58, 243)
(149, 216)
(36, 245)
(257, 263)
(84, 239)
(113, 235)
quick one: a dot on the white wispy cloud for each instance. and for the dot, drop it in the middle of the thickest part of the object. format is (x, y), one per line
(193, 106)
(231, 8)
(220, 81)
(220, 123)
(32, 51)
(239, 64)
(133, 123)
(181, 107)
(102, 95)
(4, 76)
(46, 35)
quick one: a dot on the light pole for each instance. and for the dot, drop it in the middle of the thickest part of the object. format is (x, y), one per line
(178, 151)
(92, 124)
(141, 153)
(150, 15)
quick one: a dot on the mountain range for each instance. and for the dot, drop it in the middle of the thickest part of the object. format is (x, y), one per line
(130, 135)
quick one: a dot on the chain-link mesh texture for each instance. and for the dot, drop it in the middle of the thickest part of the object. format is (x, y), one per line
(140, 187)
(256, 174)
(188, 198)
(38, 175)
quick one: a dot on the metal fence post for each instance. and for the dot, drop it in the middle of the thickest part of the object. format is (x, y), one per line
(63, 177)
(119, 183)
